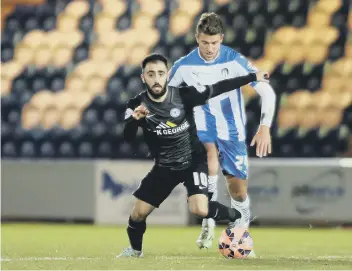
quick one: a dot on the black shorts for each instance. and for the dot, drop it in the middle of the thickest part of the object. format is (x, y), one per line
(160, 181)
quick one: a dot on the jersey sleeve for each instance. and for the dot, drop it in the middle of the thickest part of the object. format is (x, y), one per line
(175, 78)
(130, 125)
(265, 91)
(199, 95)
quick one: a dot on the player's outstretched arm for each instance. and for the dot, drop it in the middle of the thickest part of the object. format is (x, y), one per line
(199, 96)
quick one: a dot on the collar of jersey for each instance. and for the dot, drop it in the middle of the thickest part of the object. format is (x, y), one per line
(210, 61)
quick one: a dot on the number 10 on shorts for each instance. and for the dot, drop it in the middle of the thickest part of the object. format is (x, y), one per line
(200, 179)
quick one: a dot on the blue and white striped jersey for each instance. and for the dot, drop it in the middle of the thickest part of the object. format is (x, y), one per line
(224, 115)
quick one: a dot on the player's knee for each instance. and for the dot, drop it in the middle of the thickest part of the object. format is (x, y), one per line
(139, 215)
(239, 195)
(200, 211)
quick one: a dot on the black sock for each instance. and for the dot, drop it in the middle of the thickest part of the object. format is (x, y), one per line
(217, 211)
(135, 231)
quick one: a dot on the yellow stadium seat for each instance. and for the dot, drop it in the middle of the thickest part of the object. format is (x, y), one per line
(99, 52)
(77, 9)
(295, 53)
(180, 23)
(330, 35)
(307, 35)
(73, 39)
(322, 99)
(316, 53)
(330, 117)
(43, 99)
(329, 6)
(152, 34)
(342, 99)
(55, 38)
(287, 118)
(67, 23)
(62, 56)
(82, 99)
(11, 69)
(23, 54)
(64, 99)
(118, 53)
(308, 118)
(5, 86)
(153, 7)
(35, 38)
(299, 99)
(74, 83)
(137, 54)
(343, 67)
(142, 20)
(70, 117)
(42, 56)
(105, 69)
(104, 22)
(192, 7)
(114, 8)
(286, 35)
(85, 69)
(31, 116)
(110, 38)
(275, 51)
(50, 117)
(95, 84)
(332, 82)
(318, 18)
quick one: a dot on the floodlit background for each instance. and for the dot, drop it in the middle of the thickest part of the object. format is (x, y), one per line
(69, 67)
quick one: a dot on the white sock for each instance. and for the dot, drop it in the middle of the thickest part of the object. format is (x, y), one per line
(243, 207)
(212, 188)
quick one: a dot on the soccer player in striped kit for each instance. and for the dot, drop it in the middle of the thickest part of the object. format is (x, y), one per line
(221, 122)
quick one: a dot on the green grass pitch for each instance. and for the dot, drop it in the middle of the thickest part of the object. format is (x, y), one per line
(40, 246)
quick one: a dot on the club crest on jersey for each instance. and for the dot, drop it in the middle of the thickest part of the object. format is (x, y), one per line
(225, 72)
(175, 112)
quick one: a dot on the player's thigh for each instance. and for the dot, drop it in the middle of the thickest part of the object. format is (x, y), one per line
(212, 154)
(195, 179)
(233, 158)
(156, 186)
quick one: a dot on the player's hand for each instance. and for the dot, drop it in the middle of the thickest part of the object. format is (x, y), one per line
(263, 141)
(140, 112)
(262, 76)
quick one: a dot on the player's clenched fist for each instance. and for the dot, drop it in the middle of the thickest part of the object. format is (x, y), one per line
(140, 112)
(262, 76)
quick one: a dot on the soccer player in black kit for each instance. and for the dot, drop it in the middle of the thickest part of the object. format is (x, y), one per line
(166, 116)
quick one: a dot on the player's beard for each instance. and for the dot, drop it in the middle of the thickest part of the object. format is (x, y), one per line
(155, 95)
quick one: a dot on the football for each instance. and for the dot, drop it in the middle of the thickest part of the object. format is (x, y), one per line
(236, 243)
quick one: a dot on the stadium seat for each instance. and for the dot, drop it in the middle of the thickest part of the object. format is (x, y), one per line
(77, 9)
(31, 116)
(70, 117)
(192, 7)
(180, 23)
(104, 22)
(114, 8)
(62, 56)
(152, 7)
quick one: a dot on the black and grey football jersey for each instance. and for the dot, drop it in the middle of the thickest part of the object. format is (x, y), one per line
(169, 129)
